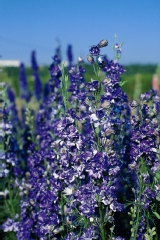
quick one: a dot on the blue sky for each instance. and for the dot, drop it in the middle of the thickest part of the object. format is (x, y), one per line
(27, 25)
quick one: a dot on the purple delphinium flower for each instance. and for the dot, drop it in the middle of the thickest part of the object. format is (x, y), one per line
(10, 225)
(46, 92)
(13, 108)
(115, 102)
(76, 84)
(102, 125)
(86, 197)
(11, 95)
(118, 50)
(55, 72)
(69, 56)
(24, 92)
(34, 64)
(76, 91)
(36, 77)
(42, 129)
(113, 69)
(144, 134)
(39, 211)
(144, 156)
(85, 167)
(71, 236)
(93, 85)
(147, 197)
(89, 233)
(53, 100)
(9, 142)
(43, 198)
(78, 172)
(94, 50)
(58, 53)
(37, 86)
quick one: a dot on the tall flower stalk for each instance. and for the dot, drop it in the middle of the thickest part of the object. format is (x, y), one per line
(144, 161)
(36, 77)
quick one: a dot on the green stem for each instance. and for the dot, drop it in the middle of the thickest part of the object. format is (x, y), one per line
(139, 208)
(102, 229)
(64, 88)
(96, 70)
(11, 199)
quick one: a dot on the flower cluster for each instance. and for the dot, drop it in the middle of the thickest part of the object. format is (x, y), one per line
(87, 155)
(95, 50)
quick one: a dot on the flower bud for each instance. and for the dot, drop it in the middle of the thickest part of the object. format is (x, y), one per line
(134, 104)
(90, 59)
(80, 60)
(102, 43)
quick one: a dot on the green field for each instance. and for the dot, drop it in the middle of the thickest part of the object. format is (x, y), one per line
(138, 76)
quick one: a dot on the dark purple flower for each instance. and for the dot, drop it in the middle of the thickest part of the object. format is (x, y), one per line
(34, 64)
(93, 85)
(145, 97)
(75, 74)
(70, 55)
(46, 91)
(71, 236)
(94, 50)
(56, 59)
(147, 197)
(10, 225)
(11, 95)
(89, 233)
(55, 71)
(37, 86)
(100, 113)
(113, 68)
(101, 63)
(24, 92)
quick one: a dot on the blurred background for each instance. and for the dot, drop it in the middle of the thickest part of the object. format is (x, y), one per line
(45, 25)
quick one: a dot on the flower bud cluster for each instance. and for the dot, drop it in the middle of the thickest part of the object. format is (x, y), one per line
(95, 51)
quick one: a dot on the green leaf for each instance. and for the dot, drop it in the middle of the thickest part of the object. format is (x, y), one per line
(122, 83)
(97, 130)
(156, 214)
(52, 135)
(158, 197)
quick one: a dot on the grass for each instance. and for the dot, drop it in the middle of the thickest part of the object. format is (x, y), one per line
(11, 74)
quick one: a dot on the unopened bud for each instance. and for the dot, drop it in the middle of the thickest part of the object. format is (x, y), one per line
(90, 59)
(80, 60)
(134, 104)
(102, 43)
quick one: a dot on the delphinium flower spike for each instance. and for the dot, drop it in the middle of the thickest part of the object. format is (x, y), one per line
(94, 56)
(13, 108)
(9, 169)
(69, 56)
(37, 80)
(23, 83)
(144, 161)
